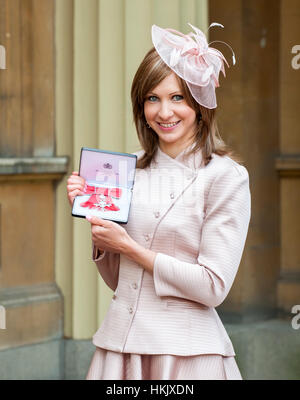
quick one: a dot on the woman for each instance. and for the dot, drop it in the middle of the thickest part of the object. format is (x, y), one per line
(177, 257)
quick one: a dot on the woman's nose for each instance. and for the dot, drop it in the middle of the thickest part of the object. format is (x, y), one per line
(165, 111)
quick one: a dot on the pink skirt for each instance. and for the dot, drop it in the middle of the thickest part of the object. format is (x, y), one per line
(110, 365)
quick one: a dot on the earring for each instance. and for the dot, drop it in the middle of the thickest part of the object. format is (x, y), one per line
(147, 125)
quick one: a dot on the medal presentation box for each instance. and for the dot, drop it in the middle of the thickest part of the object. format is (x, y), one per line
(109, 179)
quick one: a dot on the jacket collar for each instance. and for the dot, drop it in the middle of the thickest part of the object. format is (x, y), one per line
(193, 162)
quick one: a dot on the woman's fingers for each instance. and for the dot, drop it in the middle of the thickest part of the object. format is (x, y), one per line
(73, 194)
(75, 186)
(74, 178)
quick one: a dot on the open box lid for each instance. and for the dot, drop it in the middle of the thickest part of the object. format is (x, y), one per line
(101, 167)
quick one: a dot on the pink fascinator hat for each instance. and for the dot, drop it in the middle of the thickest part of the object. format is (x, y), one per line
(192, 58)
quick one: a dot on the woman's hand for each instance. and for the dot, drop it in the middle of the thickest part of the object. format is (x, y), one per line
(108, 235)
(75, 186)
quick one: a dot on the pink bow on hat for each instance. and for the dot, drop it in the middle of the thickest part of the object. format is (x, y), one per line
(191, 58)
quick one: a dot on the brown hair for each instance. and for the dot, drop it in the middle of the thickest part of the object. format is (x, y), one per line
(149, 74)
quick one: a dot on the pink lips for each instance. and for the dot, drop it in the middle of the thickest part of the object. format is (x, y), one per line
(166, 129)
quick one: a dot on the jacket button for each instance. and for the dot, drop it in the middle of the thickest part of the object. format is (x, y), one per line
(172, 195)
(157, 214)
(147, 237)
(114, 297)
(130, 310)
(134, 285)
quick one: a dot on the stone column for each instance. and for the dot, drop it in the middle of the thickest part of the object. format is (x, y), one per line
(29, 170)
(288, 162)
(248, 114)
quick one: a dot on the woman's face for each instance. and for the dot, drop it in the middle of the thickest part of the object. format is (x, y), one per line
(169, 115)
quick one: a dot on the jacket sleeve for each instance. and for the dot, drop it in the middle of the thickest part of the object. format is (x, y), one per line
(222, 242)
(108, 266)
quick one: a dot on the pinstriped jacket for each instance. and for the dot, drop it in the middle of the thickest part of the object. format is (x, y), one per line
(196, 219)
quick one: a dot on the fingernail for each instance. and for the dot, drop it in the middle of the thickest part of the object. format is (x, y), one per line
(88, 217)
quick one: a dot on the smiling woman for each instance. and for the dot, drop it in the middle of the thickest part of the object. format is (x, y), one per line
(170, 116)
(178, 255)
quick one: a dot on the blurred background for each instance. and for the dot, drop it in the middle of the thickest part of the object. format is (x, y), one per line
(69, 67)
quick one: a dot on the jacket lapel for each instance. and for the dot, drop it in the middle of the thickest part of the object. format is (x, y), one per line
(165, 184)
(173, 178)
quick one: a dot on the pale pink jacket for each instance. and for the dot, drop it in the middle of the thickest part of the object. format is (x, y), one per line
(196, 219)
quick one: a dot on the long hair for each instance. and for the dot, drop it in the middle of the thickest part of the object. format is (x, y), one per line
(150, 73)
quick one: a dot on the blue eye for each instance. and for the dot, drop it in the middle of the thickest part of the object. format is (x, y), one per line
(152, 98)
(177, 97)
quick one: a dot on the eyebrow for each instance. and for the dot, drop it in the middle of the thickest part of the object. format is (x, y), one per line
(177, 91)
